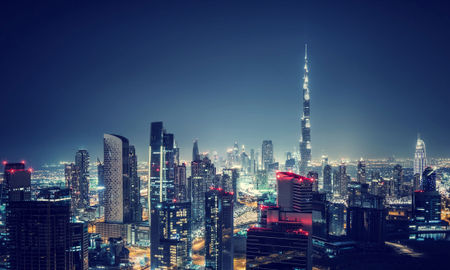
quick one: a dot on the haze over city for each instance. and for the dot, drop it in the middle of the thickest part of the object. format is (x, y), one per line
(224, 72)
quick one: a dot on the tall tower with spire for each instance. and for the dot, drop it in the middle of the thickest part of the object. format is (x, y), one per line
(420, 157)
(305, 139)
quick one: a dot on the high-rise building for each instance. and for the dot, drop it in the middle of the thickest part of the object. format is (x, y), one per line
(134, 187)
(315, 177)
(253, 162)
(275, 248)
(122, 185)
(366, 224)
(428, 179)
(420, 157)
(116, 149)
(283, 239)
(72, 175)
(202, 175)
(361, 175)
(337, 216)
(162, 164)
(397, 178)
(161, 186)
(321, 179)
(340, 181)
(229, 181)
(174, 249)
(261, 180)
(327, 184)
(294, 192)
(39, 235)
(219, 229)
(426, 219)
(181, 184)
(79, 245)
(195, 152)
(305, 140)
(17, 180)
(267, 154)
(82, 162)
(426, 207)
(100, 184)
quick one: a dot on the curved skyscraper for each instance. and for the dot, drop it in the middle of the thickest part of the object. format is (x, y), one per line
(115, 170)
(305, 140)
(420, 157)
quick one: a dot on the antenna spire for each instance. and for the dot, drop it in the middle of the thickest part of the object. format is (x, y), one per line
(306, 51)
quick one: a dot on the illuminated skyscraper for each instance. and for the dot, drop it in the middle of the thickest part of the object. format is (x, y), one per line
(202, 175)
(134, 187)
(39, 235)
(82, 162)
(361, 177)
(327, 184)
(175, 239)
(17, 180)
(116, 176)
(294, 192)
(161, 187)
(100, 182)
(397, 178)
(429, 179)
(420, 157)
(340, 181)
(181, 185)
(266, 154)
(305, 140)
(72, 175)
(219, 230)
(283, 240)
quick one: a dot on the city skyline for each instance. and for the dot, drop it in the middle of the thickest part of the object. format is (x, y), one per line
(66, 103)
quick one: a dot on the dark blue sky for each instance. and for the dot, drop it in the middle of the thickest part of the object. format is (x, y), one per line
(222, 71)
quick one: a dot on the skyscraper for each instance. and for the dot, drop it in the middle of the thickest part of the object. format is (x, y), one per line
(294, 192)
(361, 176)
(267, 154)
(115, 169)
(39, 235)
(122, 203)
(283, 240)
(17, 181)
(202, 175)
(72, 175)
(181, 184)
(340, 181)
(162, 164)
(219, 229)
(161, 186)
(195, 152)
(428, 179)
(420, 157)
(327, 184)
(175, 239)
(397, 178)
(305, 140)
(82, 162)
(229, 181)
(134, 187)
(100, 182)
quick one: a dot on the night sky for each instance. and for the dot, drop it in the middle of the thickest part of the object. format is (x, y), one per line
(221, 71)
